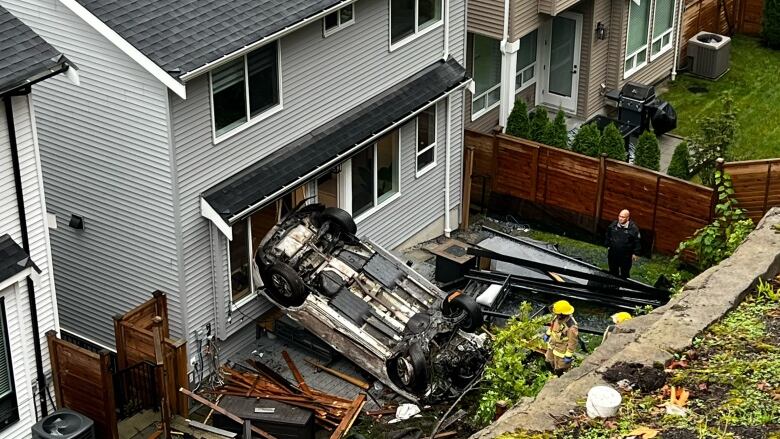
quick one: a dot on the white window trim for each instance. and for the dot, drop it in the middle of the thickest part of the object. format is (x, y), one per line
(251, 295)
(339, 25)
(347, 170)
(483, 95)
(420, 172)
(637, 67)
(417, 32)
(668, 32)
(519, 75)
(251, 121)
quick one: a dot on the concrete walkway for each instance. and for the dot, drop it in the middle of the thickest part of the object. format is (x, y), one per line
(658, 335)
(667, 143)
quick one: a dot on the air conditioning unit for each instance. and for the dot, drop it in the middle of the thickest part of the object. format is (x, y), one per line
(709, 54)
(64, 424)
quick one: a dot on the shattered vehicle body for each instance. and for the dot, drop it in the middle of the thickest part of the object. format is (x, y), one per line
(371, 307)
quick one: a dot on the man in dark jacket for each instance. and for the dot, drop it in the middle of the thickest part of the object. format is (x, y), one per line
(623, 244)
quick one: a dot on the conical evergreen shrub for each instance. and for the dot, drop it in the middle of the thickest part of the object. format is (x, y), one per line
(518, 123)
(557, 135)
(612, 143)
(680, 165)
(587, 140)
(648, 154)
(539, 122)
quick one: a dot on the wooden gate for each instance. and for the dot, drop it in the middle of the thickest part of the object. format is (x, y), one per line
(135, 344)
(749, 14)
(83, 382)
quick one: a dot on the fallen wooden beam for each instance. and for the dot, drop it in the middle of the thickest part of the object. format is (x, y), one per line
(349, 417)
(350, 379)
(296, 373)
(224, 412)
(210, 429)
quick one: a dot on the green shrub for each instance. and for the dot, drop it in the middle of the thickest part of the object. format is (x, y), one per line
(718, 240)
(714, 139)
(648, 154)
(587, 140)
(514, 371)
(539, 122)
(680, 166)
(557, 135)
(612, 143)
(518, 123)
(771, 28)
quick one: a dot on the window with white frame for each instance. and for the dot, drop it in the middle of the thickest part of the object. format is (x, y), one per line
(9, 411)
(526, 61)
(245, 88)
(637, 33)
(409, 17)
(426, 139)
(337, 20)
(375, 174)
(247, 235)
(486, 74)
(662, 27)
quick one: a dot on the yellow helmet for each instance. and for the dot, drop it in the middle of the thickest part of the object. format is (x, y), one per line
(562, 307)
(620, 317)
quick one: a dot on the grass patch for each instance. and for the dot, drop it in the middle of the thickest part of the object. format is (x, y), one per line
(752, 83)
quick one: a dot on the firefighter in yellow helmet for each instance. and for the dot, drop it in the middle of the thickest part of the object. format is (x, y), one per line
(562, 336)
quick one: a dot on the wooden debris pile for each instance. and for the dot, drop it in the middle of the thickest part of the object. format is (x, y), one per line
(332, 412)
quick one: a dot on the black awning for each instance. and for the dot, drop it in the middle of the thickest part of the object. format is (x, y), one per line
(256, 185)
(13, 259)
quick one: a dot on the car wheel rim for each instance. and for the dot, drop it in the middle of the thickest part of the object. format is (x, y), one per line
(405, 371)
(281, 285)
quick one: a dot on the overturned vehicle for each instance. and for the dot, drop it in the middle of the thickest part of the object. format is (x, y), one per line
(371, 307)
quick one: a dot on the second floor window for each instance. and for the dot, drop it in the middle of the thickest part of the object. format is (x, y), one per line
(487, 74)
(337, 20)
(426, 139)
(245, 88)
(408, 17)
(526, 61)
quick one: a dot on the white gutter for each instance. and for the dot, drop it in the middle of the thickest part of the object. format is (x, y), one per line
(261, 42)
(679, 32)
(447, 228)
(122, 44)
(329, 164)
(446, 53)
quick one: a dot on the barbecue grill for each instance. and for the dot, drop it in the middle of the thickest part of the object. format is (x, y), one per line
(638, 106)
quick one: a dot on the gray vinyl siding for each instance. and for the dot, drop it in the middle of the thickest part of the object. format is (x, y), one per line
(655, 70)
(16, 301)
(485, 122)
(486, 17)
(554, 7)
(585, 66)
(599, 57)
(105, 153)
(523, 18)
(321, 78)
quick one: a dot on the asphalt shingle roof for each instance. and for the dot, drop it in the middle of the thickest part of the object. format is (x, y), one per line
(23, 53)
(13, 259)
(281, 168)
(180, 36)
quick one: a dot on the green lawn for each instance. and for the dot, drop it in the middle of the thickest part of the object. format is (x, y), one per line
(754, 84)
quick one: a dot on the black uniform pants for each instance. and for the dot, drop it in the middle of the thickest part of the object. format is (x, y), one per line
(619, 263)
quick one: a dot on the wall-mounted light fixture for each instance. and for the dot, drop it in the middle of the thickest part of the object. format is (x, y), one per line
(601, 31)
(76, 222)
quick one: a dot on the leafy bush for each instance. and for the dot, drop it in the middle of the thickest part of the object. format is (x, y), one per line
(612, 143)
(556, 133)
(771, 29)
(539, 122)
(680, 166)
(718, 240)
(514, 371)
(648, 154)
(518, 123)
(714, 139)
(587, 140)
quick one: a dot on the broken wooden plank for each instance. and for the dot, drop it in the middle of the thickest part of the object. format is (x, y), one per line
(341, 375)
(349, 417)
(224, 412)
(210, 429)
(296, 373)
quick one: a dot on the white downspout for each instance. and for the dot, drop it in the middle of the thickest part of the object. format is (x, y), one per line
(447, 228)
(446, 11)
(681, 9)
(508, 69)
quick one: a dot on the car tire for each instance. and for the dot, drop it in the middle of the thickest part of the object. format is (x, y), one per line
(465, 309)
(410, 370)
(284, 285)
(339, 219)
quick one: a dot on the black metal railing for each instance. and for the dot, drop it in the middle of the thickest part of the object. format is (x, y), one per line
(88, 345)
(135, 390)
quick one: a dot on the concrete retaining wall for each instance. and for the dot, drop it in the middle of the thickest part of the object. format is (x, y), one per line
(658, 335)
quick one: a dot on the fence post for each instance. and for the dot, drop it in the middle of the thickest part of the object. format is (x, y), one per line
(655, 211)
(599, 192)
(534, 172)
(766, 188)
(109, 400)
(162, 381)
(494, 176)
(161, 309)
(119, 338)
(181, 369)
(51, 341)
(466, 201)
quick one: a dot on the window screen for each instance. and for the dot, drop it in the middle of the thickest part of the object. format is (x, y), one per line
(638, 22)
(664, 11)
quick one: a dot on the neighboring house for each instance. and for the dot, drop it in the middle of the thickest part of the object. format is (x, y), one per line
(197, 124)
(564, 53)
(28, 306)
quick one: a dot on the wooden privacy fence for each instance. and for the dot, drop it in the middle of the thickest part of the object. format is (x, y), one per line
(135, 344)
(720, 16)
(756, 185)
(83, 382)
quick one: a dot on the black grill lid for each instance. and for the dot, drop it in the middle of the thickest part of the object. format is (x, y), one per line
(639, 92)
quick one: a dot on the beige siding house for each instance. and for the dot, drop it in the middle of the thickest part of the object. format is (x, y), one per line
(563, 53)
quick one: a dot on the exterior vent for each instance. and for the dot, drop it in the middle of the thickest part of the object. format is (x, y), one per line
(64, 424)
(709, 54)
